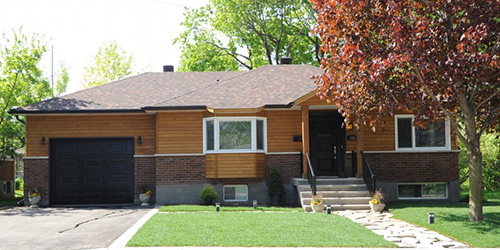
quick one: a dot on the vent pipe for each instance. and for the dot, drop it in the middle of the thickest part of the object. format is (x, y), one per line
(168, 68)
(286, 60)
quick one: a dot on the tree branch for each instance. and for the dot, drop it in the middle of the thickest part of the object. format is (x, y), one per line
(489, 98)
(7, 102)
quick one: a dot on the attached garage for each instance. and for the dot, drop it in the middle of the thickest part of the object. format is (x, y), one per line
(92, 171)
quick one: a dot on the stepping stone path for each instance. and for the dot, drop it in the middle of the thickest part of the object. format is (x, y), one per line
(404, 234)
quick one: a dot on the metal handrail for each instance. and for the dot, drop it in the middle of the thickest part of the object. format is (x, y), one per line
(368, 175)
(311, 177)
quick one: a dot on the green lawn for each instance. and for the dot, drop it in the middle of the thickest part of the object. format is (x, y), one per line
(452, 219)
(199, 208)
(9, 202)
(251, 229)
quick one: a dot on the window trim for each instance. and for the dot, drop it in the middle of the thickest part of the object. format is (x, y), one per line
(253, 133)
(413, 148)
(421, 187)
(235, 186)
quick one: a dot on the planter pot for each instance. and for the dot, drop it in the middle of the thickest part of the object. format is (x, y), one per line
(34, 201)
(276, 200)
(144, 199)
(318, 208)
(377, 208)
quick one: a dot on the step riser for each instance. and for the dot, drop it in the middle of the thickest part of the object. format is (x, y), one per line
(309, 209)
(331, 182)
(333, 188)
(338, 202)
(333, 194)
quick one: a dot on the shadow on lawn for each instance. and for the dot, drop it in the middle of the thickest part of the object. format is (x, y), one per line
(491, 221)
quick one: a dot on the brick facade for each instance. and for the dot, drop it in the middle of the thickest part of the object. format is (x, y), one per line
(36, 175)
(180, 170)
(288, 165)
(144, 174)
(414, 167)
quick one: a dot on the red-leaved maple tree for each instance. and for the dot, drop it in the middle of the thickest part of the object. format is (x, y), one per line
(437, 59)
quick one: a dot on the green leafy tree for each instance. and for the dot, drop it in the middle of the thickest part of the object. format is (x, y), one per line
(21, 83)
(62, 81)
(231, 35)
(111, 63)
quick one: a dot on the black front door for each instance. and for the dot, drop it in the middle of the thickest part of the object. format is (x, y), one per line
(92, 171)
(327, 143)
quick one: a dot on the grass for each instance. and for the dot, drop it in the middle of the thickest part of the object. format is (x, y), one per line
(199, 208)
(10, 202)
(248, 229)
(452, 219)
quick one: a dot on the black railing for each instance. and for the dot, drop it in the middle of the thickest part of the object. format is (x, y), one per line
(354, 163)
(368, 175)
(311, 177)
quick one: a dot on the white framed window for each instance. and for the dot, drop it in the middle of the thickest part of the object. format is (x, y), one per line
(235, 192)
(422, 191)
(234, 134)
(432, 136)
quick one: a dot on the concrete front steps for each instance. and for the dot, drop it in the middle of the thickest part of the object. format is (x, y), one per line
(339, 193)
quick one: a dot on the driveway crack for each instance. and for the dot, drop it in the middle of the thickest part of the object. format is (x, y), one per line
(108, 215)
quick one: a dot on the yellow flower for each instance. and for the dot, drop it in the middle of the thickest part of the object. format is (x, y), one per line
(148, 192)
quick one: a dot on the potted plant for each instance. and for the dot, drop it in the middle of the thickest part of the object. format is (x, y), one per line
(376, 203)
(145, 196)
(317, 203)
(208, 194)
(34, 197)
(275, 189)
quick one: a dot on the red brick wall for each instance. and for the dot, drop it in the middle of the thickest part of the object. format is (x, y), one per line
(36, 175)
(414, 167)
(6, 170)
(144, 174)
(180, 170)
(288, 166)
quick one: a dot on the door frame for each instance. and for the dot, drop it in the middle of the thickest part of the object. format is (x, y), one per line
(333, 116)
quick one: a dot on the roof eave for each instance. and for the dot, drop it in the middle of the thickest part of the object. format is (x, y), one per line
(79, 111)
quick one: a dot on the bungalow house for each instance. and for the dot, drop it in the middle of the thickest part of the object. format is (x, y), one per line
(176, 131)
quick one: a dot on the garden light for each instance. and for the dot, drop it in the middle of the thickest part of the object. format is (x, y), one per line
(217, 207)
(328, 209)
(431, 218)
(254, 204)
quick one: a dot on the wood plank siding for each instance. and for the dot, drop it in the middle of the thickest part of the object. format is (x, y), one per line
(81, 126)
(180, 132)
(245, 165)
(281, 127)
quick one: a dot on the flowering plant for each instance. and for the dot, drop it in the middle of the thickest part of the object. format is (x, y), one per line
(34, 193)
(377, 197)
(317, 199)
(146, 191)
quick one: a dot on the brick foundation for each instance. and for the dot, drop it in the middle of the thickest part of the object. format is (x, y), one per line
(144, 174)
(414, 167)
(288, 166)
(36, 175)
(180, 170)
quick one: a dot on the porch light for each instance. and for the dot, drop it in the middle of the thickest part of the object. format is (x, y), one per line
(217, 207)
(254, 204)
(139, 140)
(42, 141)
(431, 218)
(328, 209)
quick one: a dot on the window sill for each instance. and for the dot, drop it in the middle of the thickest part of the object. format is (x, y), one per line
(236, 152)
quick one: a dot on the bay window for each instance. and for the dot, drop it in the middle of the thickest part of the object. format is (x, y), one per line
(234, 134)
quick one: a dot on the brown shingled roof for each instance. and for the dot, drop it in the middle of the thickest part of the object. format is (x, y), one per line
(268, 85)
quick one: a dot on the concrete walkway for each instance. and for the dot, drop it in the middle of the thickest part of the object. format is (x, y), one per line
(402, 233)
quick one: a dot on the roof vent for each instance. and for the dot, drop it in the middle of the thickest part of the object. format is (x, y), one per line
(286, 60)
(168, 68)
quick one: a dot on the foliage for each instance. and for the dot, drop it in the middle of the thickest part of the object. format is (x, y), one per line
(146, 190)
(451, 220)
(208, 193)
(434, 58)
(275, 183)
(317, 199)
(226, 35)
(19, 184)
(490, 147)
(377, 197)
(111, 63)
(198, 208)
(33, 193)
(21, 83)
(255, 229)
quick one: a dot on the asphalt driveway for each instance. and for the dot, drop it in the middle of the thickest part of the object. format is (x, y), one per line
(65, 228)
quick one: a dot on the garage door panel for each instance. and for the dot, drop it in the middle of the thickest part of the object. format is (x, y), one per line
(92, 171)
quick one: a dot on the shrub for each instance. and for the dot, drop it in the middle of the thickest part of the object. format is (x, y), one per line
(19, 184)
(275, 183)
(208, 194)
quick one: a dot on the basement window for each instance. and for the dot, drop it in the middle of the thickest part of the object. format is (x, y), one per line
(235, 193)
(423, 191)
(432, 136)
(234, 134)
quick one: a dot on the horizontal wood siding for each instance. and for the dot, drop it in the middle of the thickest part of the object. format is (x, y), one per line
(180, 133)
(281, 127)
(248, 165)
(89, 126)
(315, 100)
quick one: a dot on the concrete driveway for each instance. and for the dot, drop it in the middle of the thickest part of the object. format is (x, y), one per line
(65, 228)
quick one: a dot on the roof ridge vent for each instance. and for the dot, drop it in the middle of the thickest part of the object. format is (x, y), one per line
(168, 68)
(286, 60)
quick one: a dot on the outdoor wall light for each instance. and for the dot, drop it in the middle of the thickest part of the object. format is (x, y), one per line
(139, 140)
(328, 209)
(217, 207)
(42, 141)
(431, 218)
(254, 204)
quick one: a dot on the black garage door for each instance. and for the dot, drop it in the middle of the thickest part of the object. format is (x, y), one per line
(92, 171)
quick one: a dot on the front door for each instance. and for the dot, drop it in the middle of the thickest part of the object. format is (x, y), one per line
(327, 143)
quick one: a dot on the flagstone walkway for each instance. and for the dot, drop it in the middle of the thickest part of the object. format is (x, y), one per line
(402, 233)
